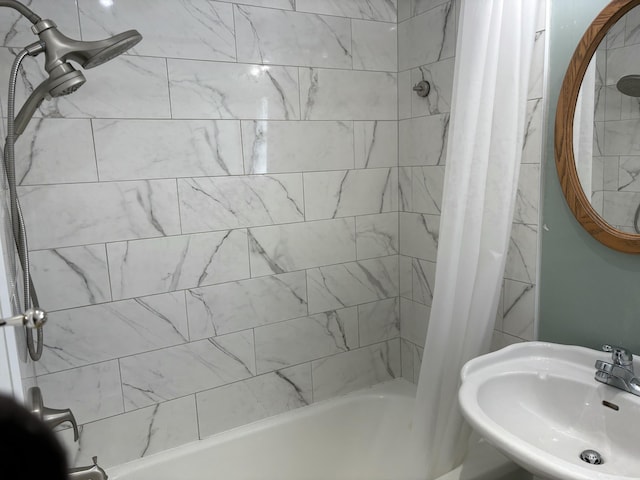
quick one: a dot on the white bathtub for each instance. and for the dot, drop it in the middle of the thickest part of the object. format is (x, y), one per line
(357, 436)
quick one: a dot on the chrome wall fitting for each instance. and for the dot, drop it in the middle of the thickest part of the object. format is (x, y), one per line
(422, 88)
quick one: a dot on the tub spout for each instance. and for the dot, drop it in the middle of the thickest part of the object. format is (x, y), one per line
(92, 472)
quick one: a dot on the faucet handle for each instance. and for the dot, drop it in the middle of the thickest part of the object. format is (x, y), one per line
(51, 416)
(620, 355)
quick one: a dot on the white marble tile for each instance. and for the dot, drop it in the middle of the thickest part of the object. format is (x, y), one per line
(352, 192)
(91, 392)
(428, 185)
(276, 147)
(141, 149)
(532, 148)
(598, 138)
(406, 358)
(377, 235)
(327, 94)
(250, 400)
(419, 235)
(303, 339)
(405, 94)
(501, 340)
(434, 33)
(356, 369)
(375, 45)
(235, 202)
(424, 280)
(44, 156)
(629, 174)
(126, 87)
(71, 277)
(282, 4)
(519, 309)
(384, 10)
(632, 22)
(406, 276)
(528, 196)
(157, 265)
(77, 214)
(421, 6)
(404, 10)
(423, 140)
(229, 90)
(613, 104)
(418, 353)
(353, 283)
(414, 321)
(15, 30)
(178, 371)
(379, 321)
(615, 35)
(86, 335)
(195, 29)
(622, 137)
(405, 189)
(619, 207)
(139, 434)
(246, 304)
(536, 74)
(296, 246)
(440, 78)
(610, 173)
(522, 254)
(269, 36)
(621, 62)
(375, 144)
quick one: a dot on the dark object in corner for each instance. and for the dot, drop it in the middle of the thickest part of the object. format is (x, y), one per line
(30, 450)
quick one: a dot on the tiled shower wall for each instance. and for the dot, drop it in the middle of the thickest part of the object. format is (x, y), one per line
(426, 51)
(213, 217)
(615, 182)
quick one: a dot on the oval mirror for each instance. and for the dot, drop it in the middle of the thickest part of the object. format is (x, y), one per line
(597, 130)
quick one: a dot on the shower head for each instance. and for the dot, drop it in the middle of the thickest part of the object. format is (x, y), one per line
(59, 48)
(62, 81)
(629, 85)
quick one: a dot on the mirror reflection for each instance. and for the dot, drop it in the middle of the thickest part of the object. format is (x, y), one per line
(607, 126)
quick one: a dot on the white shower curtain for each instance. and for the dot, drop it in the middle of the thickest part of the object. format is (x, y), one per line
(493, 58)
(583, 128)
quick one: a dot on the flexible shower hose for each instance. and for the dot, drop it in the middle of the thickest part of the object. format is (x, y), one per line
(17, 220)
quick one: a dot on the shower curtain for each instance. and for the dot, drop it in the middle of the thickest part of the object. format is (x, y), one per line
(493, 58)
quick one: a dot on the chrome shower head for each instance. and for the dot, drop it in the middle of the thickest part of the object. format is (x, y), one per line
(60, 49)
(629, 85)
(63, 80)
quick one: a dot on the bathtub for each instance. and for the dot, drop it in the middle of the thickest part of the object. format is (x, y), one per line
(357, 436)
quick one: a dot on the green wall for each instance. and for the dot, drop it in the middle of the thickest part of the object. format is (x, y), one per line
(589, 294)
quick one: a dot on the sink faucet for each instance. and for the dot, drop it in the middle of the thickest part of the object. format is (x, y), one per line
(619, 373)
(92, 472)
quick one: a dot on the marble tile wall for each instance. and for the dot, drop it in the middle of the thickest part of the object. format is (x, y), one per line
(426, 51)
(213, 217)
(615, 187)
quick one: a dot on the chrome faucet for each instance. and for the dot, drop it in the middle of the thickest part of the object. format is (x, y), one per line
(51, 416)
(619, 373)
(92, 472)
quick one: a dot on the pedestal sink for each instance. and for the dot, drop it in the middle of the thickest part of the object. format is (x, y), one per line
(541, 406)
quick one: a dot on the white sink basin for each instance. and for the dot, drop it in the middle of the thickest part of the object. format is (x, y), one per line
(540, 405)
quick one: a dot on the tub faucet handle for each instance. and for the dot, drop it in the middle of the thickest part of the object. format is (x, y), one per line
(51, 416)
(620, 356)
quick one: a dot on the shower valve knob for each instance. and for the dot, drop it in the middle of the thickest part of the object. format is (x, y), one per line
(422, 88)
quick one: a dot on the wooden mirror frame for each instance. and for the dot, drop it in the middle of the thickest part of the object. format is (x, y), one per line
(575, 196)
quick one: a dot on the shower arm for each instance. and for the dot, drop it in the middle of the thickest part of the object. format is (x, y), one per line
(23, 9)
